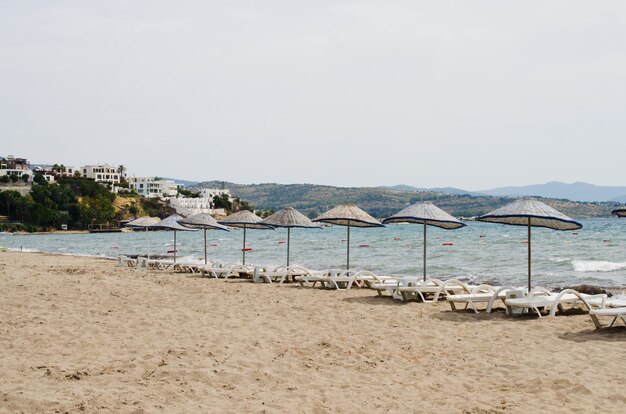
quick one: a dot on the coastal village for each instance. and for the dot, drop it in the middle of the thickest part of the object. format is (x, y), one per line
(128, 192)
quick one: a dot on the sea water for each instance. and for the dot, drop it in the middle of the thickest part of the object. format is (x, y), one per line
(480, 252)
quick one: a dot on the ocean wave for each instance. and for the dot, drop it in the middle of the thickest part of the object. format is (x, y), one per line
(15, 249)
(597, 266)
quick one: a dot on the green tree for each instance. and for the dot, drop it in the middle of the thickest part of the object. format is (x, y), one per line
(98, 209)
(188, 193)
(39, 179)
(9, 199)
(5, 179)
(222, 201)
(14, 178)
(25, 177)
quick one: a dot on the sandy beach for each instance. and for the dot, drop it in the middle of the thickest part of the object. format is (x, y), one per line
(81, 335)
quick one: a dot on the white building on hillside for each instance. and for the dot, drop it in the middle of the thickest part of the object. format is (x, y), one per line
(102, 173)
(15, 166)
(153, 187)
(202, 204)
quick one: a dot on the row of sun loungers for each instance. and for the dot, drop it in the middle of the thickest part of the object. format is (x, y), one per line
(458, 294)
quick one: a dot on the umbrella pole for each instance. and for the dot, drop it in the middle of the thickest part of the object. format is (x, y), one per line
(348, 249)
(174, 246)
(244, 246)
(148, 242)
(529, 257)
(205, 261)
(424, 252)
(288, 243)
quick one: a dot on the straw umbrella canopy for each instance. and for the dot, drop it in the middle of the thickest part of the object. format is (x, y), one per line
(245, 220)
(205, 222)
(530, 213)
(290, 218)
(144, 223)
(426, 214)
(171, 223)
(620, 212)
(348, 215)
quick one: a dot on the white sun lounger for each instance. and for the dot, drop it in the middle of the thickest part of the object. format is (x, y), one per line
(125, 261)
(280, 274)
(615, 313)
(434, 288)
(480, 294)
(391, 285)
(227, 270)
(554, 302)
(349, 278)
(316, 277)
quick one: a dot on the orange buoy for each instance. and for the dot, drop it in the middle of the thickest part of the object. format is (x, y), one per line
(172, 251)
(247, 249)
(364, 245)
(281, 242)
(447, 244)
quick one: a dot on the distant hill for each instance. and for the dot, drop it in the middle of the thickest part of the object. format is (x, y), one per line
(576, 191)
(186, 183)
(313, 199)
(443, 190)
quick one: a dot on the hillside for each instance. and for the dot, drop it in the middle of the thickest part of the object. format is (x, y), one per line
(575, 191)
(381, 202)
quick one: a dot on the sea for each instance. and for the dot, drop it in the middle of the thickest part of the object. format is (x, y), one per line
(481, 252)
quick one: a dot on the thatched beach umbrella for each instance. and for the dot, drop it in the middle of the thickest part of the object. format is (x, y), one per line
(531, 213)
(245, 220)
(620, 212)
(205, 222)
(290, 218)
(171, 223)
(426, 214)
(348, 215)
(144, 223)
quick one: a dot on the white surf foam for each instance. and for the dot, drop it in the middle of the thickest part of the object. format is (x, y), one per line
(597, 266)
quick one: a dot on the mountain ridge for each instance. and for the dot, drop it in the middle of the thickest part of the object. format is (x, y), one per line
(314, 199)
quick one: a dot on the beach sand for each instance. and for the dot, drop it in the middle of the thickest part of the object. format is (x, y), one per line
(81, 335)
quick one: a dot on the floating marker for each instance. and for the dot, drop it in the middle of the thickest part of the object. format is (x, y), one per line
(396, 238)
(213, 244)
(172, 251)
(364, 245)
(114, 247)
(281, 242)
(482, 236)
(447, 244)
(247, 249)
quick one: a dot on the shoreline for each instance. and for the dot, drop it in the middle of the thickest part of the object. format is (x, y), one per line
(80, 334)
(619, 291)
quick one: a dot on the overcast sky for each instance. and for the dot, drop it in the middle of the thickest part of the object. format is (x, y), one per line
(471, 94)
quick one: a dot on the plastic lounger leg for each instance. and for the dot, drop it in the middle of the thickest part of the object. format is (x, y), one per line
(473, 306)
